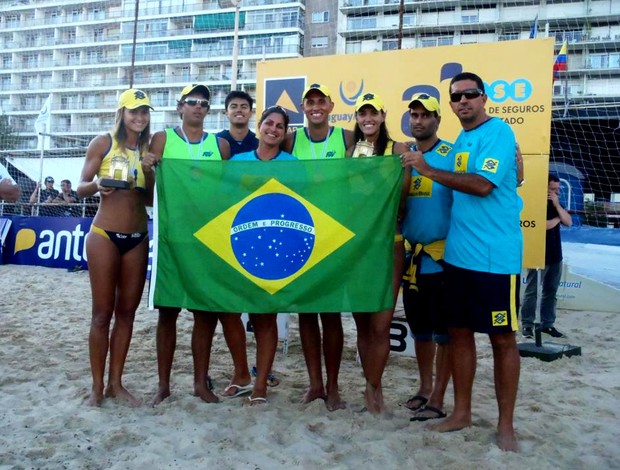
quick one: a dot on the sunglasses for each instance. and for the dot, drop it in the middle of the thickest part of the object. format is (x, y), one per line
(468, 94)
(194, 102)
(422, 96)
(49, 181)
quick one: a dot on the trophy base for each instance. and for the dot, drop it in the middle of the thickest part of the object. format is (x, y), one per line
(112, 183)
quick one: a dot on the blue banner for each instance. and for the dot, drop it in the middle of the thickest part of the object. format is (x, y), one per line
(53, 242)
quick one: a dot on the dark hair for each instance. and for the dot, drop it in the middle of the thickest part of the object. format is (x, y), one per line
(553, 177)
(65, 181)
(467, 76)
(49, 179)
(238, 94)
(382, 139)
(274, 109)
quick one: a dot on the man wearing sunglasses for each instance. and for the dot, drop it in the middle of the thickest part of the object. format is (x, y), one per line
(188, 141)
(483, 253)
(45, 196)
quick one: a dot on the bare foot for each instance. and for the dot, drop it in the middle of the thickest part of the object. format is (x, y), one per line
(451, 423)
(334, 402)
(374, 399)
(95, 398)
(122, 395)
(206, 395)
(416, 402)
(507, 441)
(161, 395)
(313, 394)
(255, 400)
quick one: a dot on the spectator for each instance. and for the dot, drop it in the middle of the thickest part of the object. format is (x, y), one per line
(67, 197)
(45, 196)
(556, 216)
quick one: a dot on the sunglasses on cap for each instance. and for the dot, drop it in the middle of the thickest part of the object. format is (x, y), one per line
(195, 101)
(49, 180)
(468, 94)
(422, 96)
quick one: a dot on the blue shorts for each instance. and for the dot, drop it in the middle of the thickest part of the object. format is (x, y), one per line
(483, 302)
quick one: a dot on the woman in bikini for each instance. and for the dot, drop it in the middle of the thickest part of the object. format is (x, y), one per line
(117, 245)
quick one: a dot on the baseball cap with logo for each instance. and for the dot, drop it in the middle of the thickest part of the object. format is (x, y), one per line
(429, 102)
(316, 86)
(204, 89)
(133, 99)
(369, 99)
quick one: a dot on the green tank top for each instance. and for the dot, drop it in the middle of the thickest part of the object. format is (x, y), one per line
(334, 146)
(177, 147)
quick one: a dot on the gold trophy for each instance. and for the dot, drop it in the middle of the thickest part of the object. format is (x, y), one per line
(363, 148)
(118, 175)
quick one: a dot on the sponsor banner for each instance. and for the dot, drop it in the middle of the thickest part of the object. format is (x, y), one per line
(518, 83)
(53, 242)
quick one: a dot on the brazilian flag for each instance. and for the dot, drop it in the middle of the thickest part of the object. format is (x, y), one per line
(278, 236)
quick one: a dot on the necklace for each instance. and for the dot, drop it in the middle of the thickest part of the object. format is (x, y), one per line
(194, 156)
(324, 145)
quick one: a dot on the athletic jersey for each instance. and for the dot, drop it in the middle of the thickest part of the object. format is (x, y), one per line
(252, 156)
(485, 233)
(130, 156)
(177, 147)
(335, 146)
(249, 143)
(429, 204)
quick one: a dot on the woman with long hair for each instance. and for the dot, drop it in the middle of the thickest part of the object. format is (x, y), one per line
(117, 244)
(373, 329)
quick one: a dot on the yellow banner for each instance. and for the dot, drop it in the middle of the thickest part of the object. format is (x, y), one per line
(518, 82)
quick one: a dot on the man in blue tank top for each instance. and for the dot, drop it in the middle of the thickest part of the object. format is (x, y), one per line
(483, 253)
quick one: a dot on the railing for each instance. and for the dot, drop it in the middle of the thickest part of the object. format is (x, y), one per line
(81, 209)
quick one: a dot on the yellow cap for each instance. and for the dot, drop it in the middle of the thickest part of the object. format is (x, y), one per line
(133, 98)
(204, 89)
(316, 86)
(369, 99)
(429, 102)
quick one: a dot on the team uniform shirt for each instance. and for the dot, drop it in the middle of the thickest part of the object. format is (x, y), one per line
(131, 156)
(429, 204)
(485, 233)
(252, 156)
(335, 146)
(177, 147)
(249, 143)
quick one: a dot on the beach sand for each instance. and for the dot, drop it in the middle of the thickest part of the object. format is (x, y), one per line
(567, 415)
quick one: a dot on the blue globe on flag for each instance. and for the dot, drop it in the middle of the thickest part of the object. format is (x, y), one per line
(272, 236)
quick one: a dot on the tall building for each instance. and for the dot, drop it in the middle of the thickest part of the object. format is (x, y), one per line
(591, 28)
(82, 53)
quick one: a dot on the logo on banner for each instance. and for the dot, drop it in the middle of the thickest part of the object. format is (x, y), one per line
(273, 236)
(286, 92)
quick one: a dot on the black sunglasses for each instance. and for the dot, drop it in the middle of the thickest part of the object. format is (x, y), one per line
(422, 96)
(468, 94)
(194, 102)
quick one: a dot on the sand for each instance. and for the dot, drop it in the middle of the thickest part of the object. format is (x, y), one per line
(567, 415)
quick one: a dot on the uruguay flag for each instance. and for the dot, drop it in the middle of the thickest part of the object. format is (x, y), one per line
(560, 61)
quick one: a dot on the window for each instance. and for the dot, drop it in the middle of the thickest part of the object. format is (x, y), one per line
(320, 42)
(445, 41)
(320, 17)
(353, 47)
(469, 17)
(389, 45)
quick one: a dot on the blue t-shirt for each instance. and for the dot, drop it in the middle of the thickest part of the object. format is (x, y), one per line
(485, 232)
(249, 143)
(251, 156)
(429, 204)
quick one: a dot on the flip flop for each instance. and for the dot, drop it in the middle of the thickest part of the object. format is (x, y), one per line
(423, 401)
(240, 390)
(257, 401)
(437, 414)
